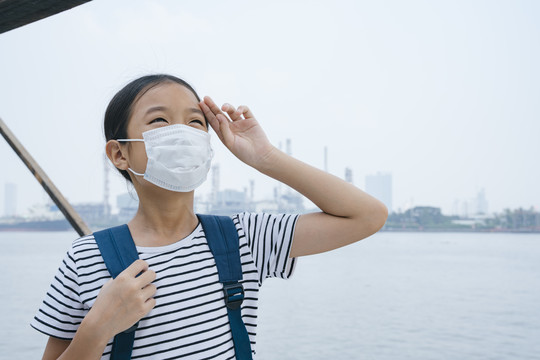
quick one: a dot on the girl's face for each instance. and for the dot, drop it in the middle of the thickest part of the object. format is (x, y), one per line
(163, 105)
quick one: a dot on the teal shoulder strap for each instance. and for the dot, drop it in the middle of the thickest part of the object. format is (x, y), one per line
(223, 241)
(118, 251)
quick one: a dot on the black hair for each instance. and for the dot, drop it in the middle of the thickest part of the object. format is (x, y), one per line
(119, 109)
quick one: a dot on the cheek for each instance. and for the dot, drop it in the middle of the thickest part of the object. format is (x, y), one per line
(137, 155)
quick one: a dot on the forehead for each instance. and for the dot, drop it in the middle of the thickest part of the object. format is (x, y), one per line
(169, 94)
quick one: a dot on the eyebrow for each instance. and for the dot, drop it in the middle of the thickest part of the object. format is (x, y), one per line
(196, 110)
(163, 108)
(155, 108)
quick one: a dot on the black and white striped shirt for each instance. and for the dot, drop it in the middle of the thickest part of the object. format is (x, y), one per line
(190, 319)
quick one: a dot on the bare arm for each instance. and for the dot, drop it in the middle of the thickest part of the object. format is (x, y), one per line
(348, 214)
(55, 347)
(87, 344)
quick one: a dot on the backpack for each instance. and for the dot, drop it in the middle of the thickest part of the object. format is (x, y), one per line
(118, 251)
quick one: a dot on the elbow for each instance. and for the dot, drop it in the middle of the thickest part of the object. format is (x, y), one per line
(370, 220)
(381, 212)
(378, 216)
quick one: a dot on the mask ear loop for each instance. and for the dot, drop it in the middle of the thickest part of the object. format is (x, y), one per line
(134, 172)
(127, 140)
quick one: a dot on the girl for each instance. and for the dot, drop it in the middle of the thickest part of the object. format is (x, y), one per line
(156, 129)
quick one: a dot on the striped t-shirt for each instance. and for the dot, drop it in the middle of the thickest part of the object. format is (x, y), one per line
(190, 319)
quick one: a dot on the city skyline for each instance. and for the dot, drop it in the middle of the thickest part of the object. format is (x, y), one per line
(463, 207)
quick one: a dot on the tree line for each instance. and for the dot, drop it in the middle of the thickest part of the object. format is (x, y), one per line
(428, 218)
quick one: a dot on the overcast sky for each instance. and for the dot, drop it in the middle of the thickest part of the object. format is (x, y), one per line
(443, 95)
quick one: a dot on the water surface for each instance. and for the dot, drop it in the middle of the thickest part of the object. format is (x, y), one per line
(392, 296)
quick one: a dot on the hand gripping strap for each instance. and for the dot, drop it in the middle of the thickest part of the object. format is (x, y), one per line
(222, 239)
(118, 251)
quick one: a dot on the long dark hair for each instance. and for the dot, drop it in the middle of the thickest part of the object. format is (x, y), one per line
(119, 109)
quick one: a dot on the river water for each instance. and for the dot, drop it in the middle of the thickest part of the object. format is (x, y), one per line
(392, 296)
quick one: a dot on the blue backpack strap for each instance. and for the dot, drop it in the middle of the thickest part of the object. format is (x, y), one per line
(223, 241)
(119, 252)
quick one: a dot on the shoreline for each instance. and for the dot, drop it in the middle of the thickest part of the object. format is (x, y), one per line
(393, 230)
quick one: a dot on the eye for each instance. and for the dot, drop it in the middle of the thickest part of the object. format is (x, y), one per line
(158, 120)
(197, 121)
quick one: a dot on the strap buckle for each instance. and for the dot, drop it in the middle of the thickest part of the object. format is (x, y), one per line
(234, 295)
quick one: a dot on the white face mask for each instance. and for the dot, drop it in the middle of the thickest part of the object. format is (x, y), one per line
(179, 157)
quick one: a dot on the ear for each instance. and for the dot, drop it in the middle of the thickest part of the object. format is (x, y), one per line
(115, 153)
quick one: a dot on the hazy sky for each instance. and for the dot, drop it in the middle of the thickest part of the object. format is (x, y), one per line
(444, 95)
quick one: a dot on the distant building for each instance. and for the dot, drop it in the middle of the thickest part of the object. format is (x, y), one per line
(127, 206)
(473, 207)
(380, 186)
(10, 199)
(481, 204)
(90, 212)
(288, 201)
(466, 209)
(348, 175)
(229, 202)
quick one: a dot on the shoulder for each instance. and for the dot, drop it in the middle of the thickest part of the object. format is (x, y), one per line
(83, 244)
(84, 252)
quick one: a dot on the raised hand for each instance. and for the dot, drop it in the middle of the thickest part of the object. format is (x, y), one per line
(239, 131)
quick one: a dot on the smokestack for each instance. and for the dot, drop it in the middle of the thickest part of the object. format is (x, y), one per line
(251, 190)
(215, 182)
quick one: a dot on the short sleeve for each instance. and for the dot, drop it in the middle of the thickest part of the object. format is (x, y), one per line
(269, 238)
(62, 310)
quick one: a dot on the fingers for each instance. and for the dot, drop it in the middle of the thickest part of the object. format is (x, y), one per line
(234, 114)
(231, 111)
(214, 115)
(136, 268)
(244, 111)
(149, 291)
(208, 114)
(149, 304)
(140, 273)
(212, 106)
(218, 120)
(146, 278)
(211, 117)
(214, 111)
